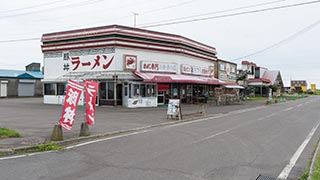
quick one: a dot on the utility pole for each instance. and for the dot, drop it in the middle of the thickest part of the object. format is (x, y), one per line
(135, 19)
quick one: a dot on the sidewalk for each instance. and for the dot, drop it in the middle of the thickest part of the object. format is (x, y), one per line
(35, 121)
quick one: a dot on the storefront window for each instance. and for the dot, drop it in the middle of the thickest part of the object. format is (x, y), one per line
(110, 88)
(60, 89)
(142, 90)
(49, 89)
(102, 90)
(136, 90)
(150, 90)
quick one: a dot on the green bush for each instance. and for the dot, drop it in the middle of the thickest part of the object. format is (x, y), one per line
(48, 146)
(8, 133)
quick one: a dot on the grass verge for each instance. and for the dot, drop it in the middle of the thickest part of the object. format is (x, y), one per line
(8, 133)
(316, 171)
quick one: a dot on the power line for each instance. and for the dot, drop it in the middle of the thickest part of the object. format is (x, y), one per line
(169, 7)
(19, 40)
(72, 5)
(217, 12)
(232, 14)
(193, 20)
(34, 6)
(289, 38)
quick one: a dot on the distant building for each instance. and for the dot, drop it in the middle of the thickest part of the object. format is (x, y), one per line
(260, 79)
(227, 71)
(17, 83)
(299, 85)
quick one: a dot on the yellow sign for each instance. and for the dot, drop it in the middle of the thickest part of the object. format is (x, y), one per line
(313, 87)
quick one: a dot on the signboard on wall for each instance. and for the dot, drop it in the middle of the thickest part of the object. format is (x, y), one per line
(159, 67)
(87, 60)
(194, 70)
(130, 62)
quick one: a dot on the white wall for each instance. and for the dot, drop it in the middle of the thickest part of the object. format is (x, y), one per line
(53, 66)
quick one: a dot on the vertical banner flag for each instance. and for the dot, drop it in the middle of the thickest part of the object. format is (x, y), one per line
(91, 90)
(73, 93)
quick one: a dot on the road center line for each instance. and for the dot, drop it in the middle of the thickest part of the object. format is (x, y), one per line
(288, 109)
(286, 171)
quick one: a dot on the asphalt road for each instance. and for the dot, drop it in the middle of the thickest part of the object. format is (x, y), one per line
(235, 146)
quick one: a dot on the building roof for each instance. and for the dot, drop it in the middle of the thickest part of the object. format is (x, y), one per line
(271, 75)
(227, 61)
(259, 80)
(6, 73)
(125, 37)
(249, 63)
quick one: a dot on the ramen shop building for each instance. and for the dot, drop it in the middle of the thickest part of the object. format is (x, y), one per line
(135, 67)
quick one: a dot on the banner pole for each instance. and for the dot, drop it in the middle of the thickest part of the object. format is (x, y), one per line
(64, 90)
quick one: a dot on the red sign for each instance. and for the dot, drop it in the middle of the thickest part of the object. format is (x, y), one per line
(91, 90)
(73, 93)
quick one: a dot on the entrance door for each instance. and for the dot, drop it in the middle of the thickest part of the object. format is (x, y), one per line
(119, 94)
(3, 89)
(125, 94)
(161, 97)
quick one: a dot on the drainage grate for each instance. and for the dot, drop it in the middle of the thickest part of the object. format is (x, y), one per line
(262, 177)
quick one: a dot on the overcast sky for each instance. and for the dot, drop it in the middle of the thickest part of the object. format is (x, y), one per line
(291, 35)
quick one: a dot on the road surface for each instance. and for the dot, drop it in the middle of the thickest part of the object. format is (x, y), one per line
(275, 141)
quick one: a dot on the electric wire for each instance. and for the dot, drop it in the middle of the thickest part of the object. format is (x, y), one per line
(31, 7)
(232, 14)
(283, 41)
(199, 19)
(216, 12)
(77, 4)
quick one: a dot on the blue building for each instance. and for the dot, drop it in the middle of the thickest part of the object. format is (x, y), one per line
(18, 83)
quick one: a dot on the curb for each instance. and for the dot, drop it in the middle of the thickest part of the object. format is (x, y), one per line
(21, 149)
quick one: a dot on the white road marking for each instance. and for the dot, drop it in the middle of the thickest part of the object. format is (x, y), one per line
(25, 155)
(288, 109)
(106, 139)
(212, 136)
(286, 171)
(299, 105)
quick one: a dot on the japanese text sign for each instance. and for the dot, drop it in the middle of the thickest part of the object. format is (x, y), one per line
(159, 67)
(100, 62)
(91, 90)
(73, 93)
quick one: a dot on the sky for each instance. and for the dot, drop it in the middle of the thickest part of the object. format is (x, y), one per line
(277, 34)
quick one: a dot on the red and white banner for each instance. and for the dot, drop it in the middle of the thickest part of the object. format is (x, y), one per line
(73, 93)
(91, 90)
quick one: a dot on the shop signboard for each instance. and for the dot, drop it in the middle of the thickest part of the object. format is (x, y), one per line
(87, 60)
(159, 67)
(195, 70)
(174, 108)
(130, 62)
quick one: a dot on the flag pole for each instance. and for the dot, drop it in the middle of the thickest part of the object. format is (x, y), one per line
(84, 130)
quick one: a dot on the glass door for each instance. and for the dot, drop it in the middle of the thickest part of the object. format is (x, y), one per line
(161, 97)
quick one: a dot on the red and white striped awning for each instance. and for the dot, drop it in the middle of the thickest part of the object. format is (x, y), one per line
(177, 78)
